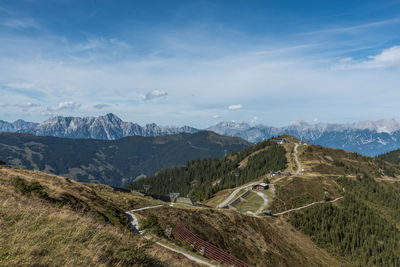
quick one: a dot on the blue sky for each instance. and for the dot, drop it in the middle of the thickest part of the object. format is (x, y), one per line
(200, 62)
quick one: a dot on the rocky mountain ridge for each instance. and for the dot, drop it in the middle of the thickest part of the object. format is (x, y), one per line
(370, 137)
(367, 137)
(107, 127)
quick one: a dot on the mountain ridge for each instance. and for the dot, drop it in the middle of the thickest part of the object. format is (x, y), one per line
(370, 137)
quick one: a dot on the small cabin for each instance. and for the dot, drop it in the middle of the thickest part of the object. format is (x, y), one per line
(273, 174)
(281, 140)
(260, 186)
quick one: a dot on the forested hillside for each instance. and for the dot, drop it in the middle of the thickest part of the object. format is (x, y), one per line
(392, 156)
(201, 179)
(363, 229)
(116, 162)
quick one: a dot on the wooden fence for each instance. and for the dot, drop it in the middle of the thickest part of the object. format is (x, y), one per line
(206, 249)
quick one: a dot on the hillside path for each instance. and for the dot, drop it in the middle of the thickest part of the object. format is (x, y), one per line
(135, 228)
(308, 205)
(264, 197)
(296, 159)
(233, 194)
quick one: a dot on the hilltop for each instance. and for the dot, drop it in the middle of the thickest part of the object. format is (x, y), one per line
(112, 162)
(345, 202)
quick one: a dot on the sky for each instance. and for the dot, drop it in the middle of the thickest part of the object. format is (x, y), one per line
(200, 62)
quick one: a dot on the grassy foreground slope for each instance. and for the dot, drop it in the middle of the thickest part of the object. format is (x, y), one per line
(116, 162)
(257, 241)
(48, 220)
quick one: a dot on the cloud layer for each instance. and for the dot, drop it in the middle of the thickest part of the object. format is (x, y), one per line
(199, 70)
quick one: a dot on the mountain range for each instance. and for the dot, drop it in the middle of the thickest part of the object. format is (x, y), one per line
(107, 127)
(370, 138)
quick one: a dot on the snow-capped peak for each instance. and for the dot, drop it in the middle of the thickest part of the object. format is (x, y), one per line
(381, 126)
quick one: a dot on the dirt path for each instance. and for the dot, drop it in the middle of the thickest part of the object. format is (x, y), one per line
(296, 159)
(264, 197)
(190, 257)
(306, 206)
(135, 228)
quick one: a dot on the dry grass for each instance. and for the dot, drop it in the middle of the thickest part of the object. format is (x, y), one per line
(257, 241)
(34, 233)
(251, 202)
(37, 231)
(299, 191)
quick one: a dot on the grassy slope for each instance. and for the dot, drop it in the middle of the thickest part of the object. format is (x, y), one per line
(251, 202)
(325, 172)
(257, 241)
(88, 229)
(323, 167)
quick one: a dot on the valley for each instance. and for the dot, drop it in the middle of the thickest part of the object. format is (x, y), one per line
(115, 162)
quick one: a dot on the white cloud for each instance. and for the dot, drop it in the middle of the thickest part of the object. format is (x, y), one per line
(71, 106)
(216, 116)
(235, 107)
(101, 106)
(389, 57)
(154, 95)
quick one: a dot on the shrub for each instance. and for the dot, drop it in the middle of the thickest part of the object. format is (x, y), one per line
(151, 223)
(35, 187)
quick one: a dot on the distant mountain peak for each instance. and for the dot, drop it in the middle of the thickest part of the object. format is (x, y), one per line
(231, 124)
(300, 123)
(380, 126)
(106, 127)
